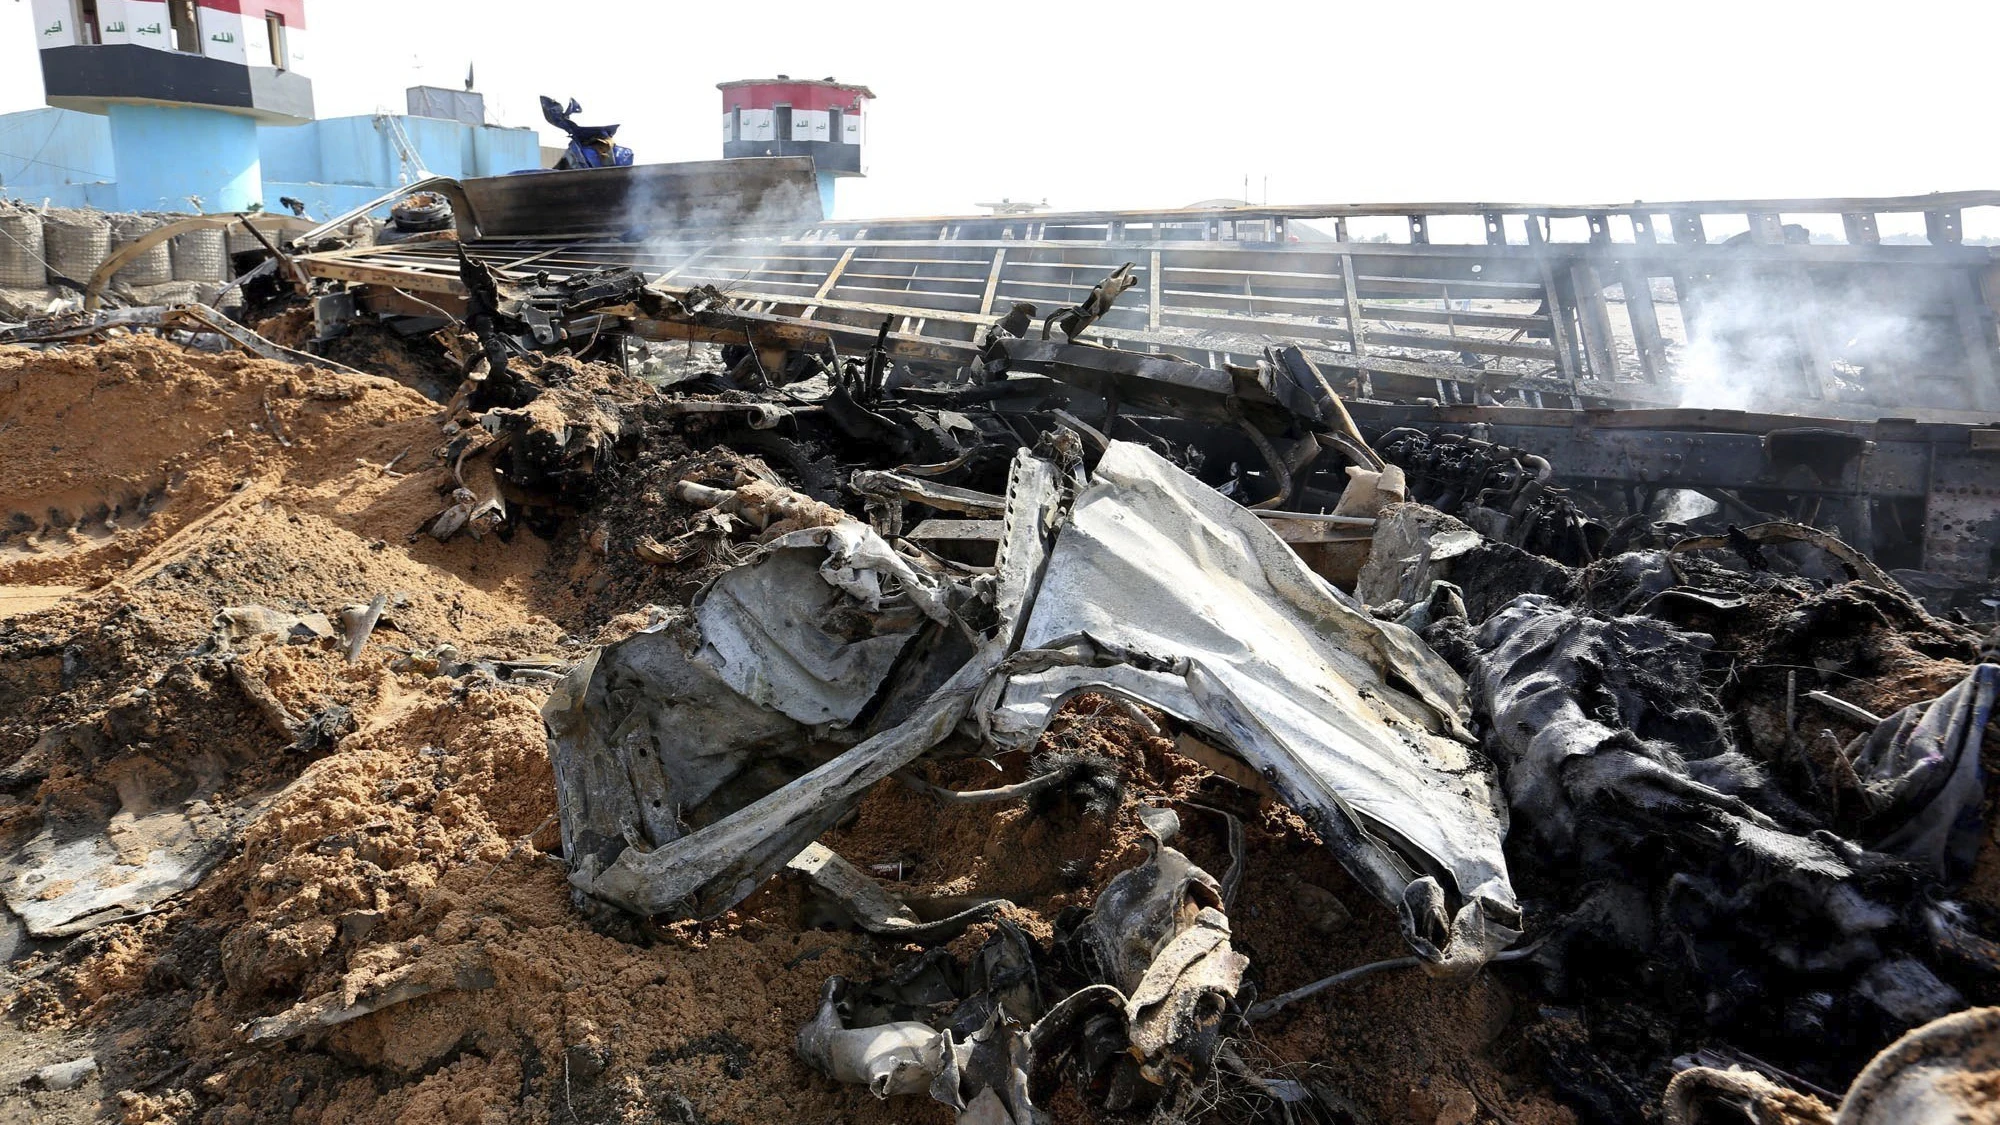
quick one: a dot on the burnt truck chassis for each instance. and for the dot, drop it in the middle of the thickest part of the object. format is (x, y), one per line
(1644, 297)
(1920, 496)
(1914, 496)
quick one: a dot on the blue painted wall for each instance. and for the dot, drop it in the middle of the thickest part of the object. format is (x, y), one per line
(333, 165)
(289, 154)
(324, 200)
(180, 158)
(53, 149)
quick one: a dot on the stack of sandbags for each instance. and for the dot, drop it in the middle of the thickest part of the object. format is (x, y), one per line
(176, 293)
(241, 241)
(77, 241)
(199, 256)
(155, 266)
(21, 249)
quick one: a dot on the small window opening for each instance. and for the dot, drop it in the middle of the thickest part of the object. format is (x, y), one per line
(274, 27)
(187, 26)
(87, 33)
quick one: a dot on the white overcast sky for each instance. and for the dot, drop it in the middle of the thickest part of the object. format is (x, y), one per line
(1139, 105)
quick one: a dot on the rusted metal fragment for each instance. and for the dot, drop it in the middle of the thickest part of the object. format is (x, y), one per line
(1158, 933)
(875, 909)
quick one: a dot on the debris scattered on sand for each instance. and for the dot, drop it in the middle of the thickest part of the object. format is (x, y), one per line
(512, 718)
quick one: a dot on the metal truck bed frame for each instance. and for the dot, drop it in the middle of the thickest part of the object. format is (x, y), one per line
(1624, 314)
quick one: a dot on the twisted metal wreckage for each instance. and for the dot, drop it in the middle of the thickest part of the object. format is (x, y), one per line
(1180, 527)
(1525, 362)
(1528, 356)
(1133, 579)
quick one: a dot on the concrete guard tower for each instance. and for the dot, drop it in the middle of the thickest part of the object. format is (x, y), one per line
(784, 116)
(185, 84)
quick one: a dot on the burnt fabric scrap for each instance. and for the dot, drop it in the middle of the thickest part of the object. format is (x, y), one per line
(1921, 776)
(1416, 547)
(1681, 859)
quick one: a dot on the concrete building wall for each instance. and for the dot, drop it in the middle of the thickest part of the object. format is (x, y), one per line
(291, 152)
(333, 165)
(53, 148)
(323, 200)
(98, 197)
(444, 144)
(499, 152)
(351, 151)
(167, 148)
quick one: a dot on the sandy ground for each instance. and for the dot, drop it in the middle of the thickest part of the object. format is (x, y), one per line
(17, 600)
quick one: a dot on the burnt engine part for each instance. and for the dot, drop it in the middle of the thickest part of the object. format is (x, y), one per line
(1503, 493)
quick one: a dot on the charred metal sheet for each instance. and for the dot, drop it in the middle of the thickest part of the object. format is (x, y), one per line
(1353, 721)
(681, 755)
(644, 200)
(637, 207)
(1157, 383)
